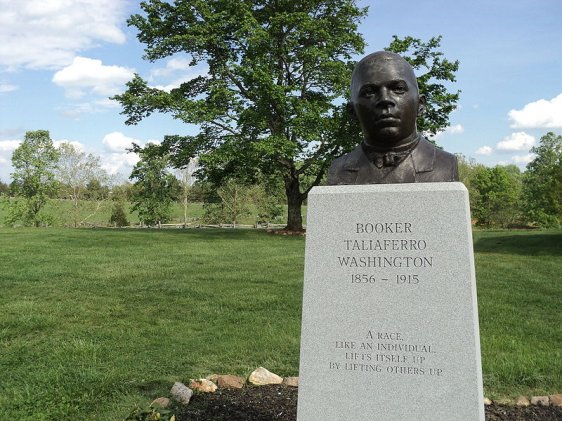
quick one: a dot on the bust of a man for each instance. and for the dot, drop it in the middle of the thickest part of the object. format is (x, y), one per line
(386, 102)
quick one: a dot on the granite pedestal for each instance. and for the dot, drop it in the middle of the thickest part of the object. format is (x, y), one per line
(390, 323)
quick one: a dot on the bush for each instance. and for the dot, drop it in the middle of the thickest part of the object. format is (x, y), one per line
(118, 216)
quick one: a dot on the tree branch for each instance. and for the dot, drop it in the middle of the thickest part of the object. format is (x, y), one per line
(316, 181)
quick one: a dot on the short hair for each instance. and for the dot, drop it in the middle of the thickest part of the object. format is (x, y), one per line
(381, 55)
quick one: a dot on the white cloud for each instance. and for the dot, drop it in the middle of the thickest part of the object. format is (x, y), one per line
(6, 87)
(107, 103)
(523, 159)
(115, 163)
(47, 34)
(74, 111)
(175, 84)
(538, 114)
(484, 150)
(117, 142)
(172, 65)
(456, 129)
(7, 148)
(86, 74)
(9, 145)
(116, 159)
(174, 73)
(519, 141)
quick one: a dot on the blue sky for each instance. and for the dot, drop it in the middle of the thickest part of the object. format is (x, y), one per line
(60, 60)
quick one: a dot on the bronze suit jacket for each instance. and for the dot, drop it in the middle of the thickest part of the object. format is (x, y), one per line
(425, 164)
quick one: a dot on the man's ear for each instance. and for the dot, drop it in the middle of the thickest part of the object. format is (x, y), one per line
(351, 110)
(421, 105)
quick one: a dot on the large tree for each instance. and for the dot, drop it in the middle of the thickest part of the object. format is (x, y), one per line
(542, 183)
(34, 163)
(272, 102)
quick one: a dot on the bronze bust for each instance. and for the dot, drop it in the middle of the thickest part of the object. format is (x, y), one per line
(386, 102)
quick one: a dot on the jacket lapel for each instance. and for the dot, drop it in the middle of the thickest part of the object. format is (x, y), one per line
(423, 156)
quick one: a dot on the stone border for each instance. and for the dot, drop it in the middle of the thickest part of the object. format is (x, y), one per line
(261, 377)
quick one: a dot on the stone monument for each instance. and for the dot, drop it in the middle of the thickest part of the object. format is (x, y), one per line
(390, 324)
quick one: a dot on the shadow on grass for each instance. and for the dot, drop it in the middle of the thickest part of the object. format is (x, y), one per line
(527, 244)
(207, 233)
(150, 389)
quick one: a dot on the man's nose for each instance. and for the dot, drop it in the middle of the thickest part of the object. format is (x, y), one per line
(384, 99)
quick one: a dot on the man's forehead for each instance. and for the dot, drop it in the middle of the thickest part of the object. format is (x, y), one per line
(383, 68)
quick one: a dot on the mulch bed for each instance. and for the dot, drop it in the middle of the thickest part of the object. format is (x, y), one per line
(272, 403)
(286, 232)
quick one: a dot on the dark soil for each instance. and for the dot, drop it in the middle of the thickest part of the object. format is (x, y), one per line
(269, 403)
(286, 232)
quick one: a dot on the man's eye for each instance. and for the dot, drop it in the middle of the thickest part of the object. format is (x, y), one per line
(399, 89)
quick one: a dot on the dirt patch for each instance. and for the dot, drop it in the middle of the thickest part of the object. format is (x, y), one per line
(252, 403)
(279, 403)
(286, 232)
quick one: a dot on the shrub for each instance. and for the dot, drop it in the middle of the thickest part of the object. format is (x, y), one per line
(118, 216)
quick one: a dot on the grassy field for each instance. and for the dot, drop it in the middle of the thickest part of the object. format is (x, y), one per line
(94, 321)
(519, 281)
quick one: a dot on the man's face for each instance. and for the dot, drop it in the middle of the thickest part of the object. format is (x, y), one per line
(386, 101)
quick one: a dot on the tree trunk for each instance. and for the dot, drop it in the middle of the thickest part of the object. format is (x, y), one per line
(185, 203)
(294, 204)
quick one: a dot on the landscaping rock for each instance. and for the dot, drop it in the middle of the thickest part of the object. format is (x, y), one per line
(160, 403)
(487, 401)
(555, 400)
(227, 381)
(291, 381)
(203, 385)
(181, 393)
(261, 376)
(540, 400)
(503, 401)
(522, 401)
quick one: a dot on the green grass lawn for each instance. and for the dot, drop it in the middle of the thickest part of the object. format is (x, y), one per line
(94, 321)
(519, 280)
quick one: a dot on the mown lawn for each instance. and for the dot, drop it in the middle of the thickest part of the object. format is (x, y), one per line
(519, 280)
(94, 321)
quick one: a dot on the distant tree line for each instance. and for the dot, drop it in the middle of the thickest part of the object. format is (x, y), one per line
(500, 196)
(74, 184)
(503, 196)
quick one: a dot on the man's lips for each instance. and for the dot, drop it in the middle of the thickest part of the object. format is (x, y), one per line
(389, 119)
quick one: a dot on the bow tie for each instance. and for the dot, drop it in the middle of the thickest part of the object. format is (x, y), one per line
(387, 159)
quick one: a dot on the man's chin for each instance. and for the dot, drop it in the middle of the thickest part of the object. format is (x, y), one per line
(387, 136)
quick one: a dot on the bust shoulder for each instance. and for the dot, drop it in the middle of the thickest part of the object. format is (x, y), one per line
(434, 164)
(343, 170)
